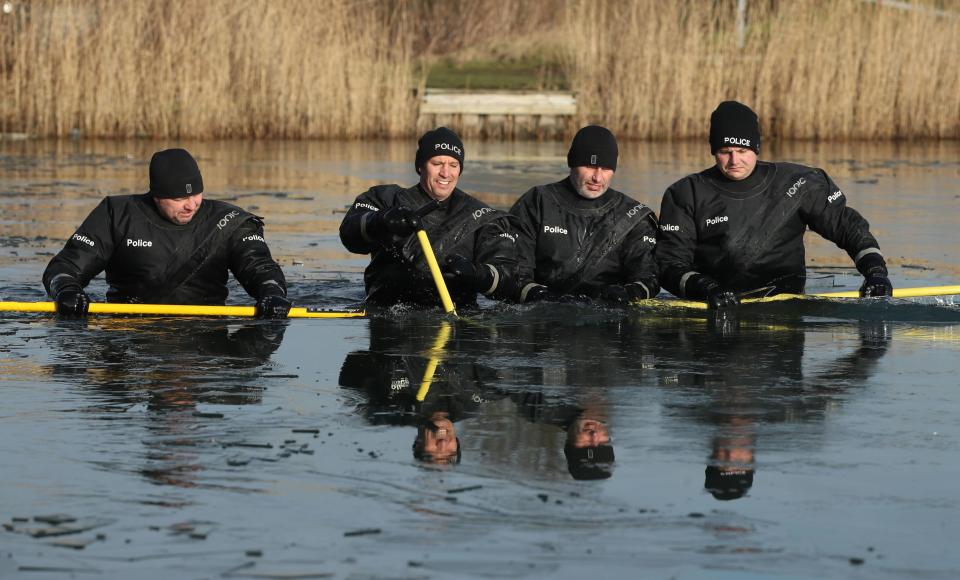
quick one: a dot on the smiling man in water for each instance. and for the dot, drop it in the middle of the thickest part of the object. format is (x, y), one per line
(168, 246)
(738, 226)
(579, 237)
(474, 243)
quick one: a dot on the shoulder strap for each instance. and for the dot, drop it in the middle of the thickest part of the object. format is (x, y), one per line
(609, 233)
(467, 219)
(183, 265)
(753, 238)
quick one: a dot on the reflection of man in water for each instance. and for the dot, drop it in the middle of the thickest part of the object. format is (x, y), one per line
(588, 450)
(405, 379)
(573, 373)
(756, 378)
(170, 367)
(168, 246)
(437, 440)
(729, 475)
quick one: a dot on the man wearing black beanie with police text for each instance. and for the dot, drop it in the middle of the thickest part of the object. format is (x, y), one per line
(475, 244)
(167, 246)
(579, 237)
(737, 227)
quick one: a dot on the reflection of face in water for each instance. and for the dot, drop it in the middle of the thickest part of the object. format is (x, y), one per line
(417, 373)
(588, 450)
(730, 472)
(437, 440)
(737, 385)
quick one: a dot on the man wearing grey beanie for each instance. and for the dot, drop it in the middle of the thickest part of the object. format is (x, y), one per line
(737, 228)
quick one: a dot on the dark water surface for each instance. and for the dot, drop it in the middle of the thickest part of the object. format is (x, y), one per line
(798, 441)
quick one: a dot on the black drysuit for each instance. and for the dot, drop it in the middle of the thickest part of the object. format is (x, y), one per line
(149, 259)
(398, 271)
(748, 234)
(575, 245)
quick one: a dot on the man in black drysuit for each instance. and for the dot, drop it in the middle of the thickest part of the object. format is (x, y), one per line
(168, 246)
(580, 237)
(474, 243)
(738, 226)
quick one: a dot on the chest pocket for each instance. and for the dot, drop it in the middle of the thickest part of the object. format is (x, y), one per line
(716, 227)
(141, 255)
(558, 241)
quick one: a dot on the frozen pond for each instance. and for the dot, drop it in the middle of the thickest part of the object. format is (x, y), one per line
(797, 442)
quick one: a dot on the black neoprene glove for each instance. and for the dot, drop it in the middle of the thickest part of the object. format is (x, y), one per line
(540, 293)
(874, 270)
(876, 285)
(461, 272)
(706, 288)
(397, 221)
(72, 302)
(273, 306)
(624, 294)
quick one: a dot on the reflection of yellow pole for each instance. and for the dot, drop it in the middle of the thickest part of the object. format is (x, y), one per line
(435, 271)
(435, 354)
(897, 293)
(174, 310)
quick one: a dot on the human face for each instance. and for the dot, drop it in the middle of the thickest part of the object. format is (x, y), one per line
(179, 210)
(440, 439)
(439, 176)
(735, 163)
(591, 181)
(590, 433)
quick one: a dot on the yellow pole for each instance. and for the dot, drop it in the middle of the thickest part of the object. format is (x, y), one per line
(435, 271)
(918, 292)
(435, 354)
(175, 310)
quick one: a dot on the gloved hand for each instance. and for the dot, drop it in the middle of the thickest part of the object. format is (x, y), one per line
(461, 272)
(273, 306)
(397, 221)
(72, 302)
(874, 270)
(707, 288)
(876, 284)
(540, 293)
(623, 294)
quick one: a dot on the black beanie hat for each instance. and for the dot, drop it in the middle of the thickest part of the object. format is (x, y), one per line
(586, 463)
(440, 141)
(174, 173)
(734, 124)
(593, 145)
(728, 483)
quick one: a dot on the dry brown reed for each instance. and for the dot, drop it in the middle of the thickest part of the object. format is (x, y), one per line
(816, 69)
(210, 68)
(833, 69)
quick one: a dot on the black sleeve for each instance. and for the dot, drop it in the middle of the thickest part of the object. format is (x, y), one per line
(496, 248)
(251, 262)
(353, 228)
(526, 212)
(637, 255)
(85, 254)
(825, 211)
(677, 239)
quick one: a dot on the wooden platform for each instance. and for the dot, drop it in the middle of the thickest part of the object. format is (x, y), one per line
(513, 114)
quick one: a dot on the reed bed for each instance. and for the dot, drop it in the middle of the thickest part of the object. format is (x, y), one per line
(209, 68)
(813, 69)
